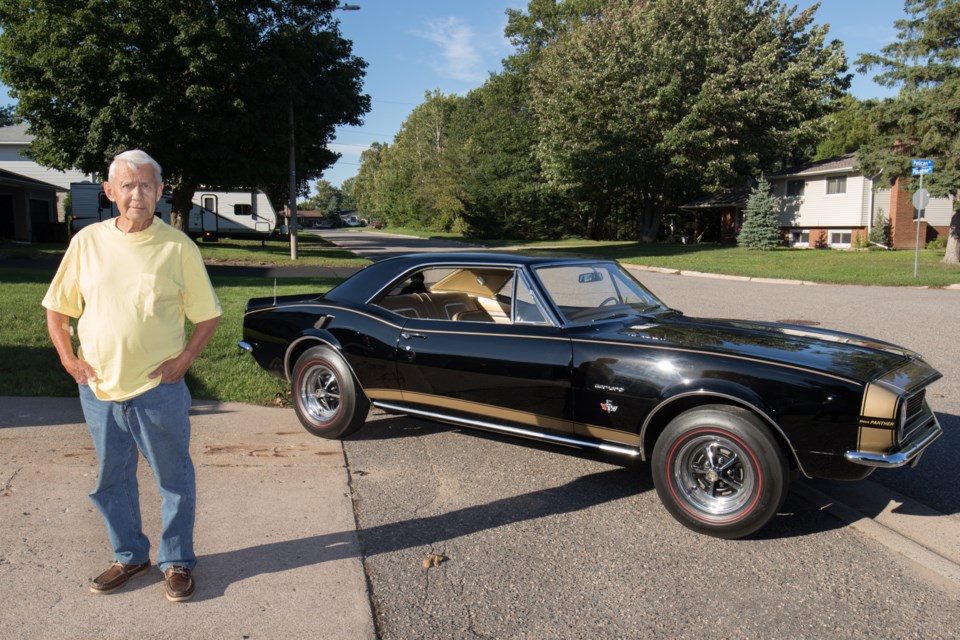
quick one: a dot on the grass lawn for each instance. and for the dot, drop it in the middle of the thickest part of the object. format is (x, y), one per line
(29, 365)
(312, 251)
(888, 268)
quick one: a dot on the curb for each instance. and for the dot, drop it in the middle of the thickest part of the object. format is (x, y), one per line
(934, 560)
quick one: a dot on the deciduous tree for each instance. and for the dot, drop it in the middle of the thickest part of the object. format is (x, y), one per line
(206, 87)
(655, 102)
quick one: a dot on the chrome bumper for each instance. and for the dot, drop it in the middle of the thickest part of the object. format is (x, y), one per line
(909, 452)
(246, 346)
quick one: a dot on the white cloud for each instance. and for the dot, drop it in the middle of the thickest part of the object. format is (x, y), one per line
(349, 152)
(461, 59)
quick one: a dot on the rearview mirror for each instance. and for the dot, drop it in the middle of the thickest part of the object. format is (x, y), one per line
(593, 276)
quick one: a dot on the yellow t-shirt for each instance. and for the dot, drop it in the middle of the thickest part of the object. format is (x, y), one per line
(131, 292)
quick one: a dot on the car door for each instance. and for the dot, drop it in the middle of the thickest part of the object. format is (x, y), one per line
(514, 371)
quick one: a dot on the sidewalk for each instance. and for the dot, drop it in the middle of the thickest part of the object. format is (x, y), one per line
(276, 537)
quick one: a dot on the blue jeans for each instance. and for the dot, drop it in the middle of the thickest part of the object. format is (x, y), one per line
(156, 423)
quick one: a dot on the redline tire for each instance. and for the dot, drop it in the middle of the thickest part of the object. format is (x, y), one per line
(719, 471)
(325, 396)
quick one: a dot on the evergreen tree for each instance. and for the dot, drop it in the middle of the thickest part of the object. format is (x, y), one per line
(761, 229)
(923, 120)
(880, 230)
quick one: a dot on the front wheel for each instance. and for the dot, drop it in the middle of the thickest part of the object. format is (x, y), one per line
(325, 396)
(719, 471)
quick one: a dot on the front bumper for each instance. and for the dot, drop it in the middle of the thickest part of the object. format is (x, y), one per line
(909, 453)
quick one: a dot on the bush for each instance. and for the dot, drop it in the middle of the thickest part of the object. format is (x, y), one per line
(938, 244)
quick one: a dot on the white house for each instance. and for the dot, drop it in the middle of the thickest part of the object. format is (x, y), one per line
(14, 141)
(829, 203)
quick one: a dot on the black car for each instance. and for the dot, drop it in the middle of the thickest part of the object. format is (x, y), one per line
(577, 352)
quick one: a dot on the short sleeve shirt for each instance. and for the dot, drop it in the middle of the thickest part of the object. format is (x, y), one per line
(131, 293)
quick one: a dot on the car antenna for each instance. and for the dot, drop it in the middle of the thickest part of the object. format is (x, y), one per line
(274, 292)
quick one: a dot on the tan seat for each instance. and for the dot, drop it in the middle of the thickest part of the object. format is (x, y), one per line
(476, 315)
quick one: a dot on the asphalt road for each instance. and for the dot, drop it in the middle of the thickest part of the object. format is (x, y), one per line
(539, 542)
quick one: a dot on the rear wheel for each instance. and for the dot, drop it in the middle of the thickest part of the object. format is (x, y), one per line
(719, 471)
(325, 396)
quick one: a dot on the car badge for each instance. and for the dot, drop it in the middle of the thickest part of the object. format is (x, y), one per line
(609, 407)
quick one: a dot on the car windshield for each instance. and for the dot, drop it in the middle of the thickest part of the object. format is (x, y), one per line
(592, 292)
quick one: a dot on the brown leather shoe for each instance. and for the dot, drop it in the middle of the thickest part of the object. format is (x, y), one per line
(116, 576)
(178, 583)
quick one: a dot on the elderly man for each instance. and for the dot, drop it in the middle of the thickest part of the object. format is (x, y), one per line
(131, 281)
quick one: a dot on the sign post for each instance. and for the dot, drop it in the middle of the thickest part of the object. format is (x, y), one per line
(920, 200)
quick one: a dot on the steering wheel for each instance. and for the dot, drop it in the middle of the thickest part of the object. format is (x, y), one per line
(609, 301)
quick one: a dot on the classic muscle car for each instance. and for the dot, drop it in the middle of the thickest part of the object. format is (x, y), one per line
(577, 352)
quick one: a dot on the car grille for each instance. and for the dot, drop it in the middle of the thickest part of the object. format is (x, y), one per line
(915, 413)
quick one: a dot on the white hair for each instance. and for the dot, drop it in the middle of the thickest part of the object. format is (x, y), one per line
(134, 158)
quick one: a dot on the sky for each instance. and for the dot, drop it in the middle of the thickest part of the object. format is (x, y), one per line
(415, 46)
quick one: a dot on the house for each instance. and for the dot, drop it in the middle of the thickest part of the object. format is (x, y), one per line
(31, 196)
(830, 203)
(28, 208)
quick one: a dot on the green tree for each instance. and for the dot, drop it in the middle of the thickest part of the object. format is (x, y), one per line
(367, 186)
(761, 228)
(656, 102)
(348, 199)
(322, 192)
(542, 24)
(6, 116)
(208, 88)
(417, 181)
(880, 229)
(504, 192)
(848, 128)
(923, 120)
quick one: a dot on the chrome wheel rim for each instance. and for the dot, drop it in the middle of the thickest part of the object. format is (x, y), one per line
(320, 393)
(714, 477)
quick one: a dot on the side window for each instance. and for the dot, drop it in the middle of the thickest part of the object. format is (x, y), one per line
(526, 310)
(242, 210)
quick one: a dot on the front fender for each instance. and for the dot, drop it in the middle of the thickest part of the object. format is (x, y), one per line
(678, 398)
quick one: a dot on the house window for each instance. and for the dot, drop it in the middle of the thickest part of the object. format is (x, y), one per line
(795, 188)
(800, 238)
(841, 238)
(242, 210)
(837, 185)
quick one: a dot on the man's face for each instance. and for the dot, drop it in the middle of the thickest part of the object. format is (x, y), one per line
(135, 192)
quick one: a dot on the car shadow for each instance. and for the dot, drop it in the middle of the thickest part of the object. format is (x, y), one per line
(801, 514)
(223, 569)
(798, 517)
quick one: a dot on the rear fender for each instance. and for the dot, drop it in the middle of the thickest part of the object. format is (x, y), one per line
(310, 338)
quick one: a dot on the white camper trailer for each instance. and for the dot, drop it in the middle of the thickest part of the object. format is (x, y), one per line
(215, 214)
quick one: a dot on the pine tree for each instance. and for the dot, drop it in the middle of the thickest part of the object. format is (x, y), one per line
(761, 229)
(923, 120)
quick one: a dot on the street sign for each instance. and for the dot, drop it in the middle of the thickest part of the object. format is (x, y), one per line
(921, 199)
(922, 167)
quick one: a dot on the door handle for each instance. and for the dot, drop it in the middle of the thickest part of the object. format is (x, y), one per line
(407, 335)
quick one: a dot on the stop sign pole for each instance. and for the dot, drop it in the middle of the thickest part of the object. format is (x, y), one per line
(920, 201)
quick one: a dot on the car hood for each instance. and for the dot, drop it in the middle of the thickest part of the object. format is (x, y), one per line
(838, 354)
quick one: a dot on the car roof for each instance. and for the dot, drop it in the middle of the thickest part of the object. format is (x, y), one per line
(361, 286)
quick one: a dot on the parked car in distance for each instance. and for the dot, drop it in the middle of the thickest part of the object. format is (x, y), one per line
(578, 353)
